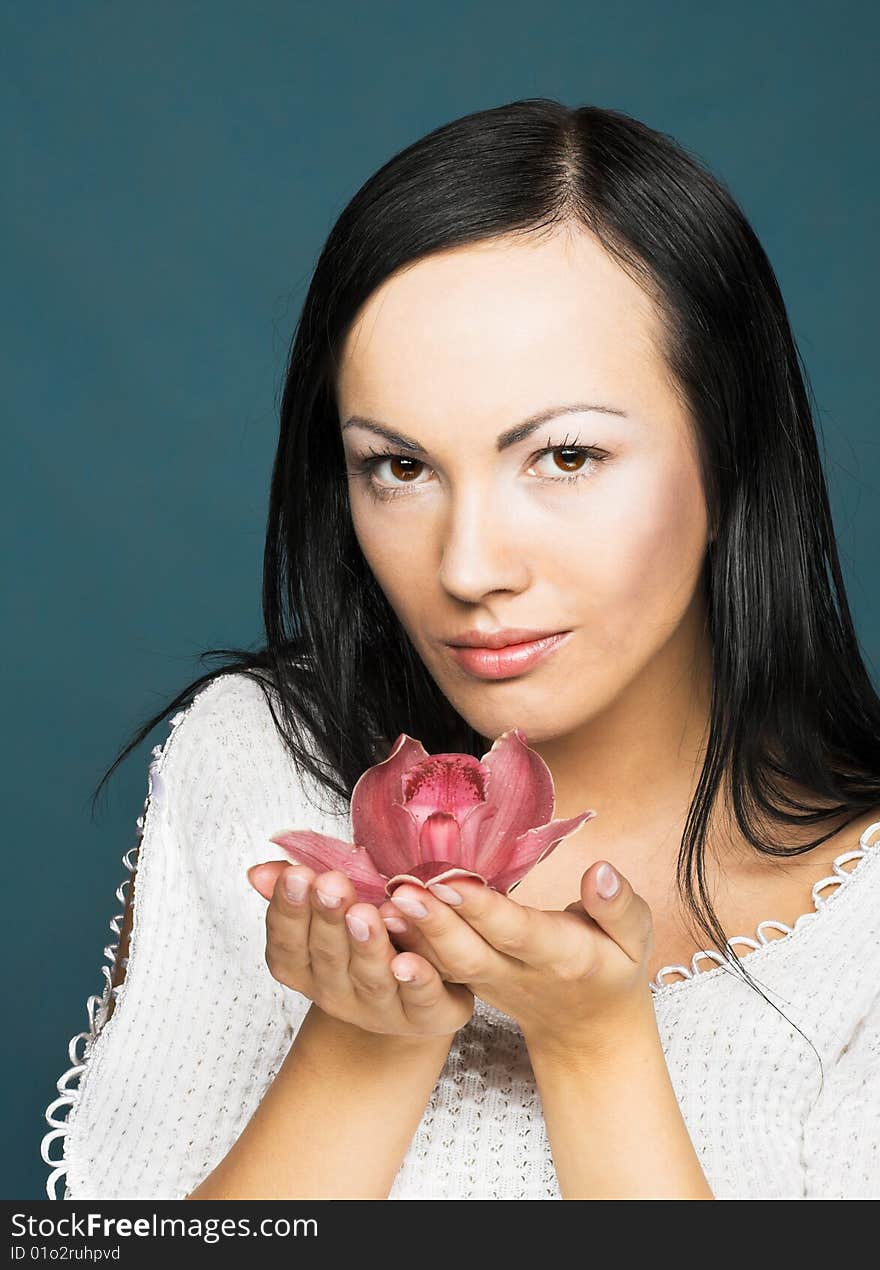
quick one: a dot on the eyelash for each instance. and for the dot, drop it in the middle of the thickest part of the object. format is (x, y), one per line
(384, 493)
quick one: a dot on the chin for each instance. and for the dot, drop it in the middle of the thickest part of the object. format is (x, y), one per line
(537, 726)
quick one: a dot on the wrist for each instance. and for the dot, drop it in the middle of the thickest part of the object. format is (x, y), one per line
(341, 1032)
(597, 1043)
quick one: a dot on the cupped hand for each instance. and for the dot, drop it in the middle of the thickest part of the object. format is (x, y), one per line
(569, 978)
(313, 948)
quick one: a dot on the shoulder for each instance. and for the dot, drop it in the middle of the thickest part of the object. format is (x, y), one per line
(840, 945)
(225, 767)
(853, 884)
(226, 720)
(232, 700)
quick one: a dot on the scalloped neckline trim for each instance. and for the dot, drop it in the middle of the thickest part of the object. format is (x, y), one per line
(840, 878)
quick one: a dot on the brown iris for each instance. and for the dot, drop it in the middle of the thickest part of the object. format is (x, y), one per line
(578, 456)
(397, 461)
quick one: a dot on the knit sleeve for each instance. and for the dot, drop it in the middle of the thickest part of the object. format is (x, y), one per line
(159, 1092)
(842, 1132)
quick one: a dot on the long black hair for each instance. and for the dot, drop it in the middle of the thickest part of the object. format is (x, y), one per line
(791, 698)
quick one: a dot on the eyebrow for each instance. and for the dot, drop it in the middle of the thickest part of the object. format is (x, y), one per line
(508, 438)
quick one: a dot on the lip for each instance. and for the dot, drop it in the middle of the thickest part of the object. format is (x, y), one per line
(500, 638)
(510, 659)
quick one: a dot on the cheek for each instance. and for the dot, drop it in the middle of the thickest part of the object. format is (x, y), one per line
(641, 577)
(399, 559)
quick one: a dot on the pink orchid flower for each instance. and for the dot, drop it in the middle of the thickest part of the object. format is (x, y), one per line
(423, 818)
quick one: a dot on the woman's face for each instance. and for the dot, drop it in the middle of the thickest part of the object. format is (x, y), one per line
(461, 347)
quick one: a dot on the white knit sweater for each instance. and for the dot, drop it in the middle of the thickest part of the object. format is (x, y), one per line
(158, 1094)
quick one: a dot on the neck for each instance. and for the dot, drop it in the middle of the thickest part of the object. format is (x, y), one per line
(638, 760)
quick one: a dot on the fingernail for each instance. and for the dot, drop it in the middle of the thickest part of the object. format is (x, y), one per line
(405, 976)
(358, 927)
(412, 908)
(328, 900)
(295, 887)
(607, 881)
(397, 924)
(444, 892)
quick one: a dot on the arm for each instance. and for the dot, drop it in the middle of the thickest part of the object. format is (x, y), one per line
(577, 984)
(338, 1118)
(355, 1098)
(613, 1120)
(841, 1148)
(200, 1031)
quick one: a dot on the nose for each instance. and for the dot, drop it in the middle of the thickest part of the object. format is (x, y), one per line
(481, 551)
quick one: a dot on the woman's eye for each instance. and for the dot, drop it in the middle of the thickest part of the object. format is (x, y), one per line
(405, 472)
(401, 467)
(565, 463)
(569, 461)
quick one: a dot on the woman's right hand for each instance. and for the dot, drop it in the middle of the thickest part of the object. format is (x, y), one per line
(310, 948)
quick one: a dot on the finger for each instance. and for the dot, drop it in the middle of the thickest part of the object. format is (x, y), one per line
(288, 919)
(370, 954)
(515, 930)
(263, 877)
(393, 919)
(460, 951)
(329, 943)
(410, 939)
(623, 915)
(578, 909)
(421, 990)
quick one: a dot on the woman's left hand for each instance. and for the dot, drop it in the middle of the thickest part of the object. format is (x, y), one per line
(569, 978)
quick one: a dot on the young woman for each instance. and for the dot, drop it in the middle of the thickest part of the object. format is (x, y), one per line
(543, 385)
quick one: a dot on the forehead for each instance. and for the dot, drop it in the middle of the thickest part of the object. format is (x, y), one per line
(499, 326)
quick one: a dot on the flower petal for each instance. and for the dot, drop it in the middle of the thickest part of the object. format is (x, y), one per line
(473, 831)
(453, 783)
(320, 852)
(532, 847)
(520, 785)
(391, 839)
(440, 839)
(433, 871)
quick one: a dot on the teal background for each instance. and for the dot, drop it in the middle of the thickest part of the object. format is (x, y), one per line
(171, 172)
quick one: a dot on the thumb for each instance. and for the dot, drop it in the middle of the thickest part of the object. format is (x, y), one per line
(608, 897)
(263, 877)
